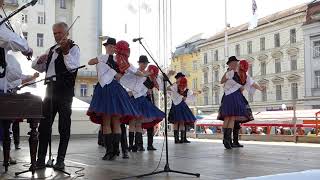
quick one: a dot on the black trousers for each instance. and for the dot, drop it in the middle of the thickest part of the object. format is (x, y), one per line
(62, 106)
(16, 132)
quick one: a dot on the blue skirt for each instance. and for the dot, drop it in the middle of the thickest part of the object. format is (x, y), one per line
(151, 115)
(181, 113)
(111, 100)
(235, 105)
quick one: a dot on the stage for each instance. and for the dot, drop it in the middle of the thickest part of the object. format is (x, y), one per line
(207, 157)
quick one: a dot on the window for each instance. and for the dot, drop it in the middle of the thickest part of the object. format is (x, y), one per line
(317, 79)
(249, 47)
(41, 18)
(216, 55)
(40, 2)
(316, 49)
(251, 70)
(262, 44)
(216, 76)
(25, 35)
(293, 36)
(277, 65)
(237, 50)
(278, 92)
(294, 91)
(250, 98)
(63, 4)
(39, 40)
(205, 77)
(293, 63)
(212, 55)
(24, 18)
(205, 58)
(264, 95)
(216, 98)
(83, 90)
(277, 40)
(194, 84)
(263, 68)
(205, 99)
(194, 65)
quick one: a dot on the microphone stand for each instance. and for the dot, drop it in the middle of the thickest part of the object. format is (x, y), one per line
(166, 167)
(50, 80)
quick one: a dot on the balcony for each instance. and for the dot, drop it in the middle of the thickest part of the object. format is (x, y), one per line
(88, 74)
(12, 3)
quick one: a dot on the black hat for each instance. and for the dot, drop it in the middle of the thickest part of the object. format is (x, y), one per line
(111, 41)
(232, 58)
(179, 75)
(143, 59)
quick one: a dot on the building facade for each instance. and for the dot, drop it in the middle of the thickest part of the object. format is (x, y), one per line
(311, 30)
(35, 24)
(186, 59)
(275, 51)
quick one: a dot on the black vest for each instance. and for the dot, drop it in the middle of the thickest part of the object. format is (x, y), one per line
(148, 83)
(236, 78)
(113, 64)
(3, 63)
(184, 94)
(64, 85)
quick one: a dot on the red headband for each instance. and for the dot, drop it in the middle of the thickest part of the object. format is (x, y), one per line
(244, 65)
(153, 70)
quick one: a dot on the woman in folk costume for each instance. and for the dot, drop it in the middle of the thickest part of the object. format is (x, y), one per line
(150, 115)
(180, 114)
(110, 102)
(234, 106)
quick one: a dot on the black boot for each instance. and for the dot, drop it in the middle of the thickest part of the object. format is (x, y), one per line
(184, 137)
(176, 136)
(116, 141)
(124, 142)
(227, 138)
(109, 147)
(150, 140)
(100, 138)
(131, 139)
(139, 141)
(236, 143)
(16, 135)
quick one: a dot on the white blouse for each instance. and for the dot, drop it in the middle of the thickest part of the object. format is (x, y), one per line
(232, 86)
(134, 84)
(178, 98)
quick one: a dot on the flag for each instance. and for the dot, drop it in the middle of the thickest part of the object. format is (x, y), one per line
(254, 19)
(254, 7)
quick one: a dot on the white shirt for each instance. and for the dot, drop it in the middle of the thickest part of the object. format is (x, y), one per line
(232, 86)
(10, 41)
(177, 98)
(105, 73)
(71, 61)
(135, 84)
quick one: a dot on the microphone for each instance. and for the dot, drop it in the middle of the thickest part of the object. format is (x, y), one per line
(137, 39)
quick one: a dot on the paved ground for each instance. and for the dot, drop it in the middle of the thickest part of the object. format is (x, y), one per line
(207, 157)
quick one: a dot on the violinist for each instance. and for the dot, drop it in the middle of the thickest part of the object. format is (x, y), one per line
(59, 59)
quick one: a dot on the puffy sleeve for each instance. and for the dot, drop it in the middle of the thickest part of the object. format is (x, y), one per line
(191, 98)
(175, 96)
(39, 67)
(248, 86)
(12, 41)
(105, 73)
(230, 74)
(14, 71)
(132, 69)
(72, 60)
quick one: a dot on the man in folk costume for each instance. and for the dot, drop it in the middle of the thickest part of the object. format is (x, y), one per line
(110, 102)
(234, 107)
(59, 60)
(9, 41)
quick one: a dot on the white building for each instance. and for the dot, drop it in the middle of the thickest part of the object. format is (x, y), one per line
(275, 50)
(35, 23)
(312, 56)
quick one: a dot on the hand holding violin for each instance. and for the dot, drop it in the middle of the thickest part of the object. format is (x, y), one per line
(65, 45)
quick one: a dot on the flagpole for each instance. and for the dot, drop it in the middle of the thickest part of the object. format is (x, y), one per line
(226, 53)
